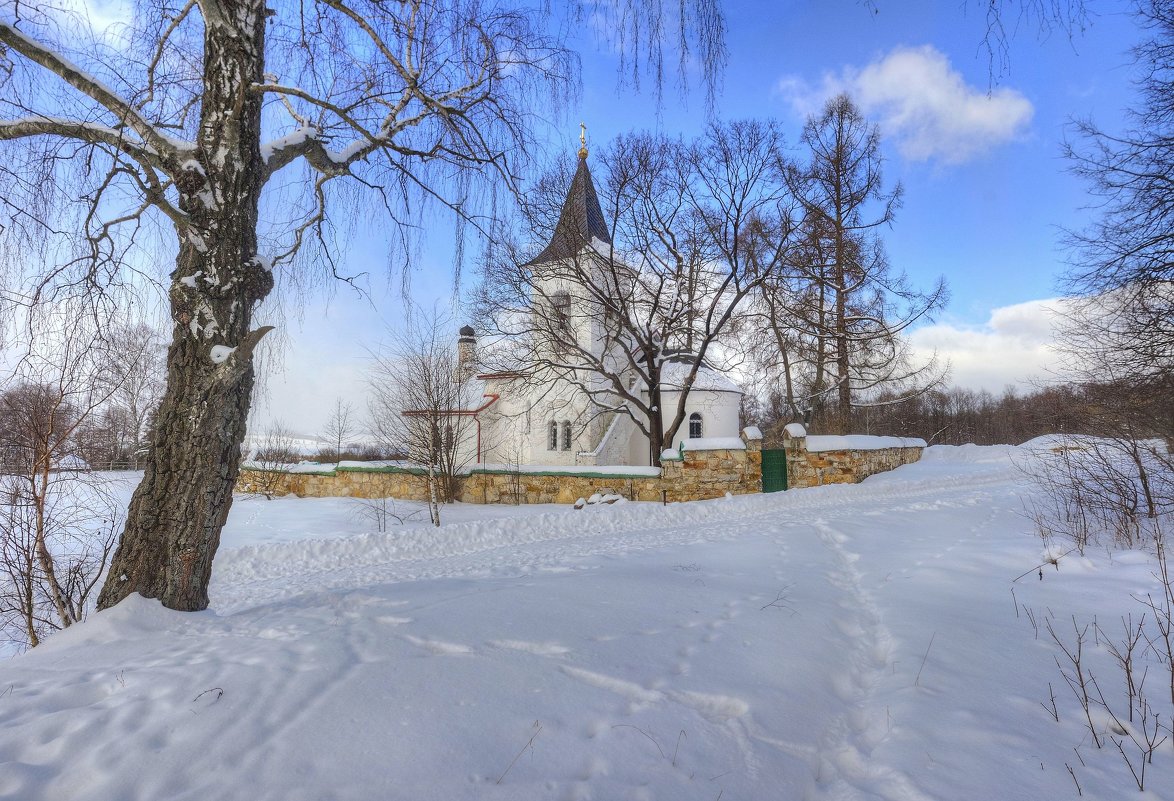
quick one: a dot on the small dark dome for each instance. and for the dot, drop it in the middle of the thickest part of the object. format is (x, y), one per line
(467, 331)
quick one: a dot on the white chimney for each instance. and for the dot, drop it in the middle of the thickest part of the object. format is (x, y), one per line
(466, 354)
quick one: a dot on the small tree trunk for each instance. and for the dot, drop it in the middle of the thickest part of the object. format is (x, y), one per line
(784, 354)
(843, 362)
(655, 422)
(40, 484)
(433, 499)
(27, 577)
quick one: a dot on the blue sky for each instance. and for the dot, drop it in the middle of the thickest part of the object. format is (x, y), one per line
(986, 189)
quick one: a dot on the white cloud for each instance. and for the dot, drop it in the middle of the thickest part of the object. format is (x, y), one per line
(923, 104)
(105, 20)
(1011, 348)
(102, 14)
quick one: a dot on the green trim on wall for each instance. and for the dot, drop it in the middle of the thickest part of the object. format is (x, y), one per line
(419, 471)
(415, 471)
(559, 473)
(334, 471)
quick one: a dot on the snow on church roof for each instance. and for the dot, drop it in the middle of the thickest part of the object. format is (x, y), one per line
(673, 374)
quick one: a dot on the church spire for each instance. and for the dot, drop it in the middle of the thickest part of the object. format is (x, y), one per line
(581, 220)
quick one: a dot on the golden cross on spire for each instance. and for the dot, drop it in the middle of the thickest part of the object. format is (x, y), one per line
(583, 140)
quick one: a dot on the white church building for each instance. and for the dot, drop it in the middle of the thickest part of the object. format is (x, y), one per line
(510, 418)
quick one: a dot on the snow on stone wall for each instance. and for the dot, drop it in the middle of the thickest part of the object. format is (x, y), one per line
(728, 465)
(825, 459)
(699, 475)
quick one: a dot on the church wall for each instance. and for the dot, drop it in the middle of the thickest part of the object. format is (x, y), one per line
(719, 413)
(561, 402)
(503, 439)
(638, 451)
(615, 434)
(506, 424)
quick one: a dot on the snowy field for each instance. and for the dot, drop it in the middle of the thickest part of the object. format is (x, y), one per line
(848, 642)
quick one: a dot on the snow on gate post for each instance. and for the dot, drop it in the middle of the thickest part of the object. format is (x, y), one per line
(795, 448)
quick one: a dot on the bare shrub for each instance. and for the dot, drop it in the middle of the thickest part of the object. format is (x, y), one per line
(1135, 722)
(1100, 490)
(56, 536)
(271, 459)
(383, 512)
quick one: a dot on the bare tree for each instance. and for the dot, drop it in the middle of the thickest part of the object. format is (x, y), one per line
(341, 427)
(58, 521)
(106, 441)
(421, 401)
(631, 297)
(138, 374)
(1123, 274)
(1116, 335)
(846, 303)
(116, 435)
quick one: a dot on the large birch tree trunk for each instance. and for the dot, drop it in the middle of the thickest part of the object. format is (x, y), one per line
(174, 521)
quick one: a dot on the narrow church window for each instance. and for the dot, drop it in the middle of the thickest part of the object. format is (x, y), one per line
(552, 442)
(561, 304)
(611, 319)
(695, 425)
(566, 435)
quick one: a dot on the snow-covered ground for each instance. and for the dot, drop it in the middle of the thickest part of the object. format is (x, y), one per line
(846, 642)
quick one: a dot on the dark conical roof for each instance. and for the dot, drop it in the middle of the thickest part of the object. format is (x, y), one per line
(581, 219)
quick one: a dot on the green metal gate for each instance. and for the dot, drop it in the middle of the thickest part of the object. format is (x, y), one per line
(774, 470)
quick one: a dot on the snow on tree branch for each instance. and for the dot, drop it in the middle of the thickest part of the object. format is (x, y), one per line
(163, 148)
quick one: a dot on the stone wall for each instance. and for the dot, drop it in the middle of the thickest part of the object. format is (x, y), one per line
(483, 486)
(389, 482)
(711, 474)
(696, 475)
(693, 475)
(807, 468)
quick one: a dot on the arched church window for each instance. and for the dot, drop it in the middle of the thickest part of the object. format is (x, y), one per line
(566, 435)
(552, 441)
(695, 426)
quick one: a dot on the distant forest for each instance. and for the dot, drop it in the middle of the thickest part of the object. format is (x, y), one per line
(957, 416)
